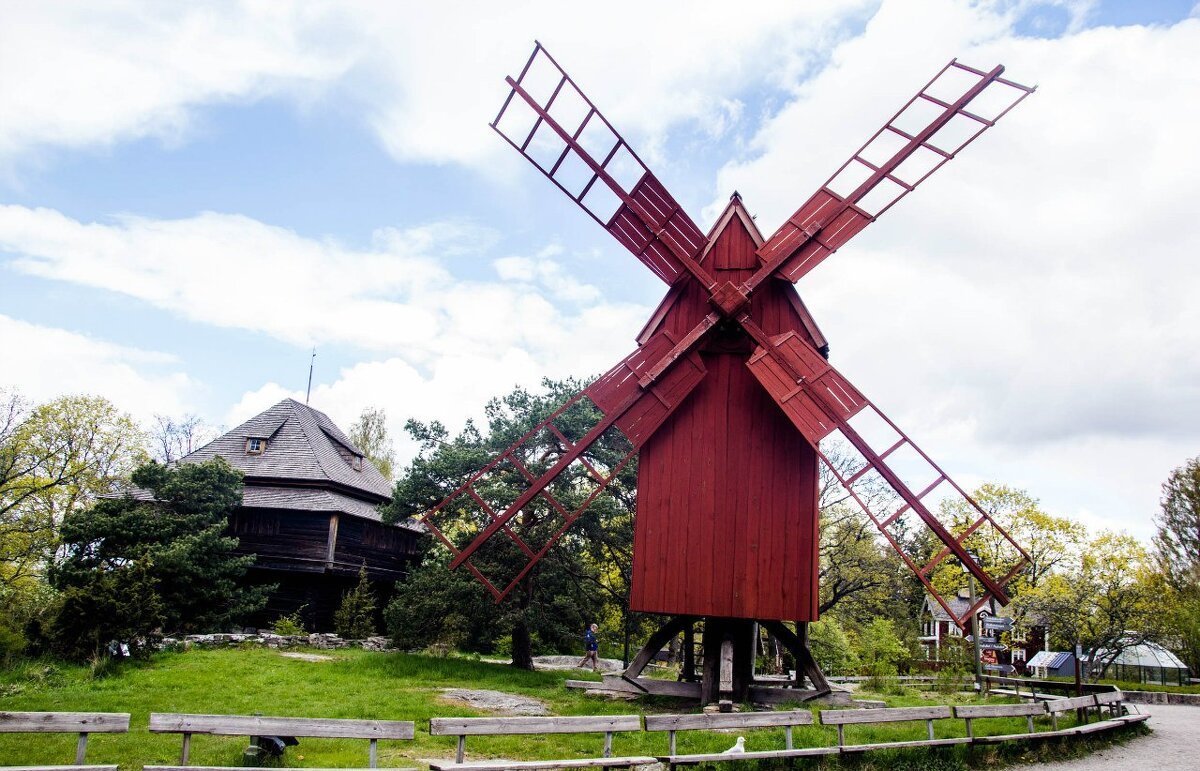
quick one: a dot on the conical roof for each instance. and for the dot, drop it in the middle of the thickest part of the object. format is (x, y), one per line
(297, 443)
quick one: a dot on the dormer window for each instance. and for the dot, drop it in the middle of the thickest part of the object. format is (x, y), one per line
(356, 463)
(256, 446)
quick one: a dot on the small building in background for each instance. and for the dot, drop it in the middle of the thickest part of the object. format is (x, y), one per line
(1025, 640)
(1145, 662)
(1051, 664)
(310, 513)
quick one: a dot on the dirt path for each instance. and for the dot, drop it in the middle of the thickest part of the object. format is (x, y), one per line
(1174, 745)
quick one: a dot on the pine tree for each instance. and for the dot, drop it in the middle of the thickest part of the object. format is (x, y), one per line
(355, 617)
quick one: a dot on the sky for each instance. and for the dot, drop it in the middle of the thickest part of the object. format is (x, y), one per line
(194, 196)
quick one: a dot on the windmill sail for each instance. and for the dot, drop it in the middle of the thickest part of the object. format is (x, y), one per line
(547, 118)
(929, 130)
(920, 498)
(523, 501)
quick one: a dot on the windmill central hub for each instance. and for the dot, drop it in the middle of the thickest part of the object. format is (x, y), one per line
(729, 298)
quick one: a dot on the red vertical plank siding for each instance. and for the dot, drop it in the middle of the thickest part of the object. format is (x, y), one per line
(727, 488)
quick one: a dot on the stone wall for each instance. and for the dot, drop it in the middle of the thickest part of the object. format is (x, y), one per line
(1162, 697)
(322, 640)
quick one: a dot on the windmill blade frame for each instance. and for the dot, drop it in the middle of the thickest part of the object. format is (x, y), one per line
(926, 133)
(628, 401)
(571, 142)
(821, 402)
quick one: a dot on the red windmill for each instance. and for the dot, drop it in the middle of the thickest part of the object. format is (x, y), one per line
(729, 398)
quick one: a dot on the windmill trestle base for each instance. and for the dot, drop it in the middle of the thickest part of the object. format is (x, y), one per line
(728, 651)
(759, 694)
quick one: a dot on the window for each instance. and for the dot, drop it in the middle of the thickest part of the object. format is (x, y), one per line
(255, 446)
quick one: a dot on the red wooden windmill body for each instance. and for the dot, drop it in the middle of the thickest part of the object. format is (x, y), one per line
(729, 398)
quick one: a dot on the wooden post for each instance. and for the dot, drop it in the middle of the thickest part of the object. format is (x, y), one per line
(187, 748)
(688, 673)
(374, 752)
(608, 744)
(331, 540)
(726, 675)
(81, 748)
(462, 747)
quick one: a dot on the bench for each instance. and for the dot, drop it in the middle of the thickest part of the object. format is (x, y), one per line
(243, 725)
(82, 723)
(722, 721)
(1056, 706)
(974, 712)
(843, 717)
(1114, 701)
(462, 727)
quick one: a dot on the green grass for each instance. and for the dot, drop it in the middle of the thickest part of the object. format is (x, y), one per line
(360, 684)
(1130, 685)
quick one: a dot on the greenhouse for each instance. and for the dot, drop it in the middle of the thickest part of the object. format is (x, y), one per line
(1146, 663)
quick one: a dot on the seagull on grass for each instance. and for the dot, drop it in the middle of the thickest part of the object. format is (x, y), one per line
(738, 747)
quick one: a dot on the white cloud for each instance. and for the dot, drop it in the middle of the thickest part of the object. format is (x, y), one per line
(44, 363)
(427, 78)
(1028, 314)
(396, 297)
(92, 74)
(440, 346)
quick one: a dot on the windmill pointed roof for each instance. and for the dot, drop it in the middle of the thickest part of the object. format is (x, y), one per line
(302, 445)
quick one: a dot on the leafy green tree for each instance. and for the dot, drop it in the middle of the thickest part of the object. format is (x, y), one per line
(587, 570)
(176, 541)
(120, 605)
(1112, 599)
(370, 434)
(355, 617)
(1177, 547)
(1178, 538)
(879, 648)
(831, 647)
(55, 459)
(859, 573)
(1050, 541)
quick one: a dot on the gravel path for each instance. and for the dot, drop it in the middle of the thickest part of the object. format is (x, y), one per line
(1174, 745)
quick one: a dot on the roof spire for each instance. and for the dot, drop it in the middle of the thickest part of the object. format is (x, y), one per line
(311, 361)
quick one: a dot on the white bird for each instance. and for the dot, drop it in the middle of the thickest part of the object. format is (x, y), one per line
(738, 747)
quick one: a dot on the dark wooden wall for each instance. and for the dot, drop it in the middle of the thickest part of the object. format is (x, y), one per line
(727, 489)
(292, 551)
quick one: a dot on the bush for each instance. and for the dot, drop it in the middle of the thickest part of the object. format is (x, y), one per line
(355, 617)
(291, 625)
(879, 648)
(831, 647)
(120, 605)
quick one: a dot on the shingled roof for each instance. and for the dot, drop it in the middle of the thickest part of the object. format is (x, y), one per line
(301, 445)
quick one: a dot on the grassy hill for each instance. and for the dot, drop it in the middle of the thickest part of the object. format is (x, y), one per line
(360, 684)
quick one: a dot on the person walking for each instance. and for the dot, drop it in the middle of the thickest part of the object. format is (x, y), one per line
(592, 648)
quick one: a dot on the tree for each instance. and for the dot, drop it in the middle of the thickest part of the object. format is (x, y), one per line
(1177, 547)
(858, 572)
(370, 434)
(831, 647)
(1051, 542)
(55, 459)
(173, 438)
(171, 546)
(587, 571)
(1178, 538)
(355, 617)
(879, 648)
(1112, 599)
